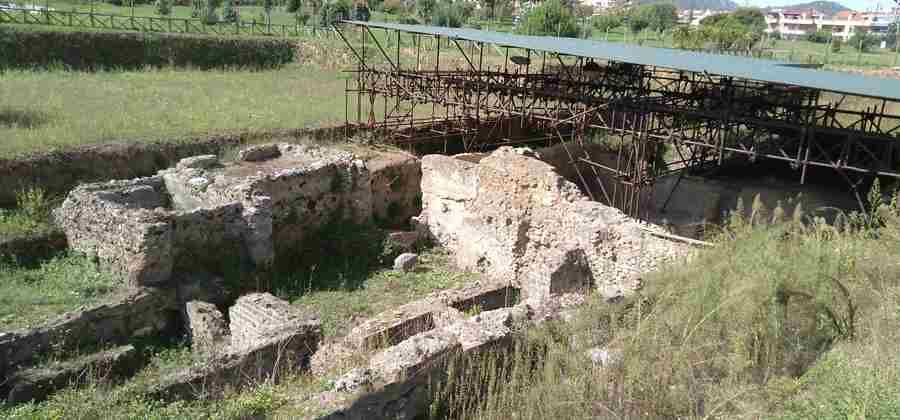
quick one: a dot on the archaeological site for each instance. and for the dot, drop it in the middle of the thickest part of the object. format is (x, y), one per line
(497, 225)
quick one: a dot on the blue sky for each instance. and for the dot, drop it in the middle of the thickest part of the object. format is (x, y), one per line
(861, 5)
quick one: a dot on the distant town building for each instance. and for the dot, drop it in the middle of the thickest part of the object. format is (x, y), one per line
(843, 25)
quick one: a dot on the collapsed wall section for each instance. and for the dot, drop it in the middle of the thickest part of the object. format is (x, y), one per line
(513, 217)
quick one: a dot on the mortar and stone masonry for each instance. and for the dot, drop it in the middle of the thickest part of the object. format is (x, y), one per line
(506, 214)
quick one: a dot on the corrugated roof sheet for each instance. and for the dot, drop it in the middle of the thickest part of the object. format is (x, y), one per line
(725, 65)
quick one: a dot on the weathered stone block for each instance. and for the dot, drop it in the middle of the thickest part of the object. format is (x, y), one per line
(394, 326)
(198, 162)
(206, 327)
(37, 384)
(259, 153)
(406, 262)
(125, 315)
(414, 355)
(258, 316)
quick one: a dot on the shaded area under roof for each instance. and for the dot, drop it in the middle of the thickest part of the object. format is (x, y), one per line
(724, 65)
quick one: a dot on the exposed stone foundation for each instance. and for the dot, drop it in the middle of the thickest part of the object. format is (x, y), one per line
(201, 214)
(129, 314)
(513, 217)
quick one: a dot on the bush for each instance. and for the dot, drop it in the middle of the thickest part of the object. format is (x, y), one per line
(164, 7)
(448, 14)
(864, 41)
(39, 47)
(819, 37)
(334, 11)
(551, 17)
(394, 7)
(361, 11)
(293, 6)
(605, 23)
(836, 44)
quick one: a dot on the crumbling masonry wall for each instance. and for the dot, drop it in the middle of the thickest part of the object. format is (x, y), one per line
(513, 217)
(202, 214)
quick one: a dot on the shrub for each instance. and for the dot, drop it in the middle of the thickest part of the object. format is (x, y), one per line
(605, 23)
(836, 44)
(863, 41)
(38, 47)
(164, 7)
(394, 7)
(361, 11)
(230, 13)
(551, 17)
(334, 11)
(447, 14)
(819, 37)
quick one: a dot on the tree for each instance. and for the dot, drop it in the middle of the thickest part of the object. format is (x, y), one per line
(863, 41)
(267, 8)
(425, 8)
(294, 5)
(490, 7)
(449, 14)
(605, 23)
(550, 18)
(229, 14)
(164, 7)
(361, 11)
(658, 17)
(333, 12)
(819, 37)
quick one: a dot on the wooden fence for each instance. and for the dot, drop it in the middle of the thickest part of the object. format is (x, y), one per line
(154, 24)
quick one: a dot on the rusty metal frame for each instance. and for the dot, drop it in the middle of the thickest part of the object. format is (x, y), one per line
(657, 121)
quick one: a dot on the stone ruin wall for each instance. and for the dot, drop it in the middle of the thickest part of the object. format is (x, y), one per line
(506, 214)
(513, 217)
(200, 213)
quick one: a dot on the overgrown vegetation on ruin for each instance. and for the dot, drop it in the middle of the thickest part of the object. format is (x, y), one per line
(779, 320)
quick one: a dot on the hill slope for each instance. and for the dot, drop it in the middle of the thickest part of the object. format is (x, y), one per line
(697, 4)
(827, 8)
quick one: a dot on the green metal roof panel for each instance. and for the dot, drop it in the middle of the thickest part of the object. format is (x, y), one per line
(724, 65)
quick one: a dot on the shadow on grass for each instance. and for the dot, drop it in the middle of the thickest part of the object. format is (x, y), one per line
(340, 256)
(22, 118)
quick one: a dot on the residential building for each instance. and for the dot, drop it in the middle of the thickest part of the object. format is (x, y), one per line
(843, 25)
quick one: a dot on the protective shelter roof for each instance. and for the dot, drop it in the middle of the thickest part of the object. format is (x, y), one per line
(723, 65)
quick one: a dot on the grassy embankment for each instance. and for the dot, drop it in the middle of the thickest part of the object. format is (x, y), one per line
(779, 320)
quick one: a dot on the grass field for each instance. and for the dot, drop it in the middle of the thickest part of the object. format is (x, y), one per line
(247, 13)
(41, 110)
(29, 296)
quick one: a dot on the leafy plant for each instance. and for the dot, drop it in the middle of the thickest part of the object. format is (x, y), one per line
(551, 17)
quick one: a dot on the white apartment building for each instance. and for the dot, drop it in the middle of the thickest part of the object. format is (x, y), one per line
(693, 17)
(796, 24)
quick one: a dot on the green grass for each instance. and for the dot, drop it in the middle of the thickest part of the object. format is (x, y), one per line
(382, 290)
(248, 13)
(777, 321)
(79, 108)
(29, 296)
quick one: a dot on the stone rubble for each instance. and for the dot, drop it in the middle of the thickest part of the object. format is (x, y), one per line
(406, 262)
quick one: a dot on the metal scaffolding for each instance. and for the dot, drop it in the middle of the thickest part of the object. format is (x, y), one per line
(417, 88)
